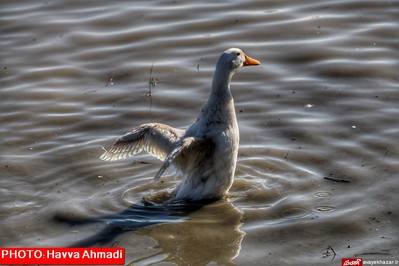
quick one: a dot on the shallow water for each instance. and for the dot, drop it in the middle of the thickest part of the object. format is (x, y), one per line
(322, 108)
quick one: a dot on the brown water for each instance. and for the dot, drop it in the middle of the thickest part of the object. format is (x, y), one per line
(324, 103)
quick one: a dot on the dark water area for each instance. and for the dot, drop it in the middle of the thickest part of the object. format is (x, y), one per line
(318, 158)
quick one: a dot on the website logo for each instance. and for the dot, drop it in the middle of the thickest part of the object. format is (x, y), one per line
(352, 262)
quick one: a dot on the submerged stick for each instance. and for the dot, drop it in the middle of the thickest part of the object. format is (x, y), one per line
(338, 180)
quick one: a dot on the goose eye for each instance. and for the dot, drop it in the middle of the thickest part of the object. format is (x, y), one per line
(238, 53)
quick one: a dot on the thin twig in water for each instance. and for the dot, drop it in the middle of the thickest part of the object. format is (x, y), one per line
(327, 253)
(286, 156)
(335, 254)
(337, 180)
(92, 91)
(151, 84)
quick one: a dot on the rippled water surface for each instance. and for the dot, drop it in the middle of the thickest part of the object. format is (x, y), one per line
(318, 158)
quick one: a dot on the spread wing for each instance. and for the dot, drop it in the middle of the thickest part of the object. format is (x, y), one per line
(159, 140)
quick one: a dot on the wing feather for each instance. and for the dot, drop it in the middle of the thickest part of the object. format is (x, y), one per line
(159, 140)
(172, 156)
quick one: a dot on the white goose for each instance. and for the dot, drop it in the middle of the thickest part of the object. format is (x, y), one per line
(206, 152)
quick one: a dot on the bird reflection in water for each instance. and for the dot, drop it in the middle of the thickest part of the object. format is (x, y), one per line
(186, 232)
(212, 234)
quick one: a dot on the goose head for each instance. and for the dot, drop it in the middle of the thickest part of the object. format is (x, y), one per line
(228, 64)
(234, 58)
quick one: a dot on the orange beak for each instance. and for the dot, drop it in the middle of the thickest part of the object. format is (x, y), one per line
(250, 61)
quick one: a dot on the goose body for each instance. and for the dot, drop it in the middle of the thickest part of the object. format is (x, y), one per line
(206, 152)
